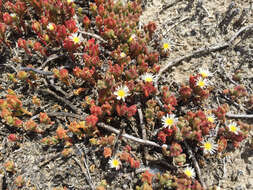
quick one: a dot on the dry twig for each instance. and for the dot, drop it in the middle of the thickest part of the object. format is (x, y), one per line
(1, 181)
(94, 36)
(229, 15)
(62, 114)
(84, 172)
(87, 174)
(49, 159)
(239, 106)
(36, 70)
(102, 125)
(203, 51)
(50, 58)
(63, 100)
(239, 116)
(176, 24)
(189, 5)
(130, 137)
(195, 163)
(242, 19)
(167, 6)
(143, 131)
(121, 131)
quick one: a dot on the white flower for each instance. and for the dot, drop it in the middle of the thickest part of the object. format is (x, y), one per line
(123, 2)
(76, 38)
(169, 120)
(209, 146)
(164, 146)
(166, 46)
(211, 118)
(202, 83)
(122, 55)
(115, 163)
(148, 77)
(70, 1)
(189, 172)
(13, 15)
(232, 127)
(132, 37)
(205, 72)
(122, 92)
(50, 26)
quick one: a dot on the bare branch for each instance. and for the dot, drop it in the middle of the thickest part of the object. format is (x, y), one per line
(195, 163)
(84, 172)
(143, 130)
(203, 51)
(94, 36)
(241, 116)
(36, 70)
(103, 125)
(1, 181)
(63, 100)
(130, 137)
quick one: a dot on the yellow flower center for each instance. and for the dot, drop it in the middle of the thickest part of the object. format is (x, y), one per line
(201, 83)
(169, 121)
(69, 1)
(122, 55)
(131, 38)
(203, 74)
(76, 40)
(148, 79)
(208, 146)
(46, 37)
(115, 163)
(13, 15)
(50, 27)
(121, 93)
(233, 128)
(210, 119)
(188, 173)
(165, 46)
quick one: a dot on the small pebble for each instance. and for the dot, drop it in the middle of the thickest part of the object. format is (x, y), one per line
(239, 188)
(193, 32)
(249, 168)
(249, 185)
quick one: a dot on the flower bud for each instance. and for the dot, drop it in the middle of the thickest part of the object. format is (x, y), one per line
(44, 21)
(12, 137)
(46, 37)
(9, 166)
(21, 43)
(2, 29)
(7, 18)
(22, 75)
(86, 22)
(30, 125)
(99, 21)
(44, 118)
(91, 120)
(64, 73)
(71, 26)
(101, 10)
(19, 181)
(37, 46)
(17, 122)
(93, 8)
(9, 120)
(20, 7)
